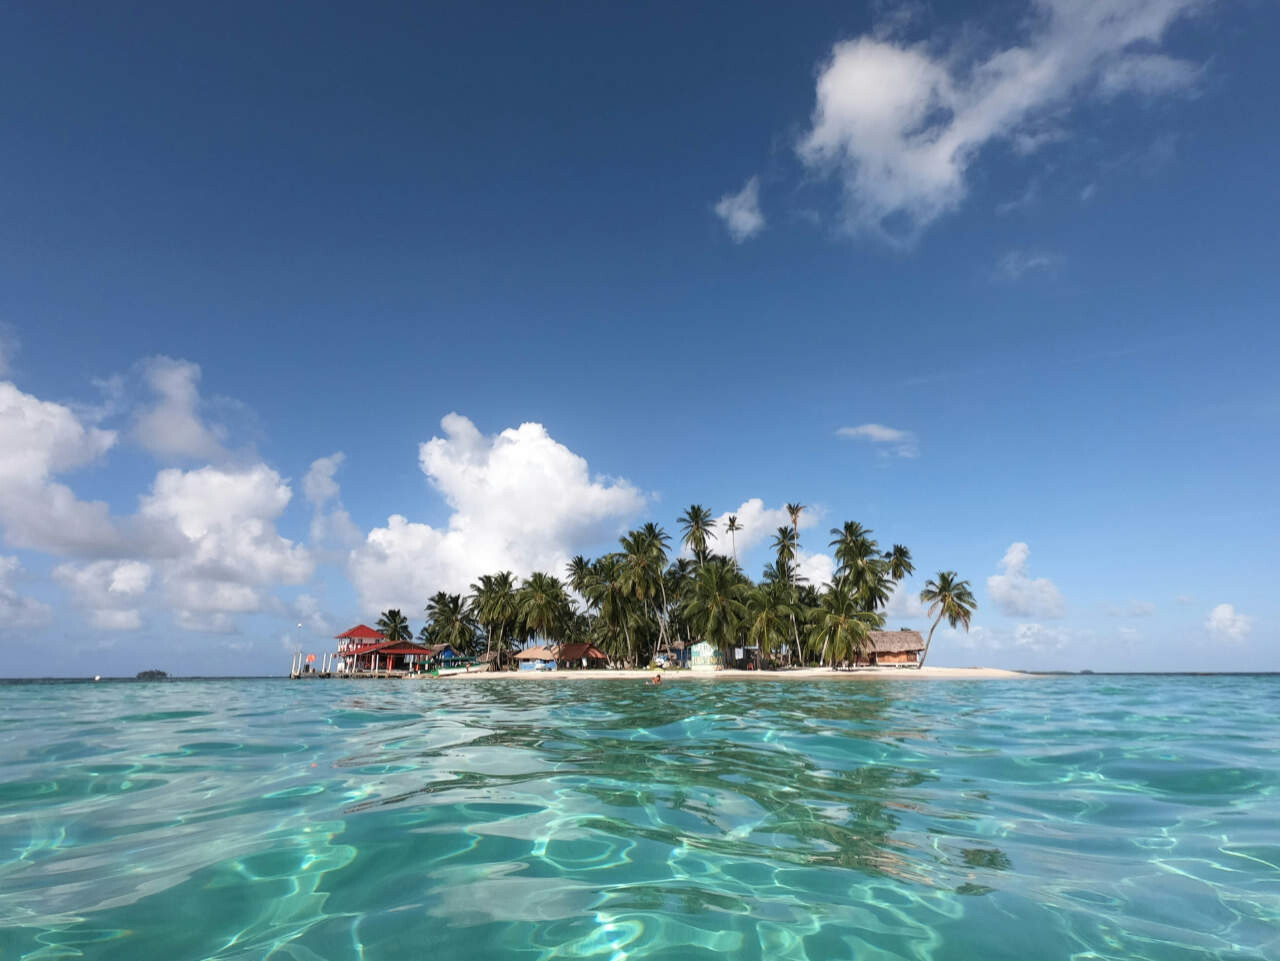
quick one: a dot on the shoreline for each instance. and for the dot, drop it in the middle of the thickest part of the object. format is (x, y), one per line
(926, 673)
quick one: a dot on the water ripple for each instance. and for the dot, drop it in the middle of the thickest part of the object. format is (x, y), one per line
(1082, 818)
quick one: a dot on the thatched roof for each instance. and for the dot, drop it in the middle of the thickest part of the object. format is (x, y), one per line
(535, 654)
(896, 642)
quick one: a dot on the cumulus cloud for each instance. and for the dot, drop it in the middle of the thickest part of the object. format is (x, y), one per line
(231, 548)
(1019, 595)
(520, 501)
(900, 124)
(741, 211)
(38, 441)
(1225, 623)
(109, 591)
(759, 524)
(172, 426)
(891, 440)
(329, 525)
(17, 611)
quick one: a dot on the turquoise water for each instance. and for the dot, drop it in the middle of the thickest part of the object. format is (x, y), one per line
(1086, 818)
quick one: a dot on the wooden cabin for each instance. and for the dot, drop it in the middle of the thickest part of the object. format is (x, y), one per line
(893, 649)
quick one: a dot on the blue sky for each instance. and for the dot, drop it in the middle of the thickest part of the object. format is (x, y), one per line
(997, 282)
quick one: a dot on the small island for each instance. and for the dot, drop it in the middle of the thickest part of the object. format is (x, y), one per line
(152, 675)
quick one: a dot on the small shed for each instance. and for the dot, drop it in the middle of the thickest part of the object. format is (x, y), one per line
(580, 656)
(706, 657)
(536, 659)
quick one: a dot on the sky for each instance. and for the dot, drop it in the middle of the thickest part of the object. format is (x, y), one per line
(306, 312)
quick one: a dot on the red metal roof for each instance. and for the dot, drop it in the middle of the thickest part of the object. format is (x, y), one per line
(361, 632)
(398, 647)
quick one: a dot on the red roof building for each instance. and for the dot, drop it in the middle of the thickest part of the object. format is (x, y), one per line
(358, 639)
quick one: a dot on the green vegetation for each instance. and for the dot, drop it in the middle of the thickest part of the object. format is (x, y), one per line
(638, 601)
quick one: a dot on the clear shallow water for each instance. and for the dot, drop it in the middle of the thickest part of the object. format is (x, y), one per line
(1080, 818)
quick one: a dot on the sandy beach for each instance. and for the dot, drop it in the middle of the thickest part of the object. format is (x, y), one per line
(927, 673)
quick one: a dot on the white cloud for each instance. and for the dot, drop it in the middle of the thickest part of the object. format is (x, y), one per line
(39, 440)
(1225, 623)
(307, 609)
(328, 524)
(231, 548)
(1149, 74)
(904, 602)
(17, 611)
(1017, 594)
(759, 525)
(1015, 263)
(520, 501)
(815, 569)
(901, 443)
(741, 211)
(109, 591)
(318, 486)
(900, 124)
(1040, 638)
(172, 426)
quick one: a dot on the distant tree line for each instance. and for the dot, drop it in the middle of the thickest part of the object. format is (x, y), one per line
(637, 601)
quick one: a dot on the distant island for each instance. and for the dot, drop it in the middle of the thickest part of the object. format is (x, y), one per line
(152, 675)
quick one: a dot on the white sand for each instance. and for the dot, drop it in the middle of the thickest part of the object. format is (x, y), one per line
(927, 673)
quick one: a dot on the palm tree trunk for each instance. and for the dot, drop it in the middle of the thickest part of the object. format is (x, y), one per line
(927, 641)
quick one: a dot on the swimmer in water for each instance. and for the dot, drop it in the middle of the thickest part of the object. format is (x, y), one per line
(657, 679)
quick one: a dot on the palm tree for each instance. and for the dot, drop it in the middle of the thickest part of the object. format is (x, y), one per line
(948, 597)
(784, 545)
(394, 625)
(643, 559)
(605, 592)
(578, 571)
(450, 622)
(699, 529)
(900, 565)
(543, 606)
(794, 510)
(839, 627)
(717, 605)
(767, 616)
(493, 604)
(732, 527)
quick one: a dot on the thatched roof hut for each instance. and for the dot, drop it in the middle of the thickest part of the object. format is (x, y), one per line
(896, 647)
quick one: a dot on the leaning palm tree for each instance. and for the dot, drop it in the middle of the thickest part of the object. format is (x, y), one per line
(732, 527)
(699, 530)
(949, 597)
